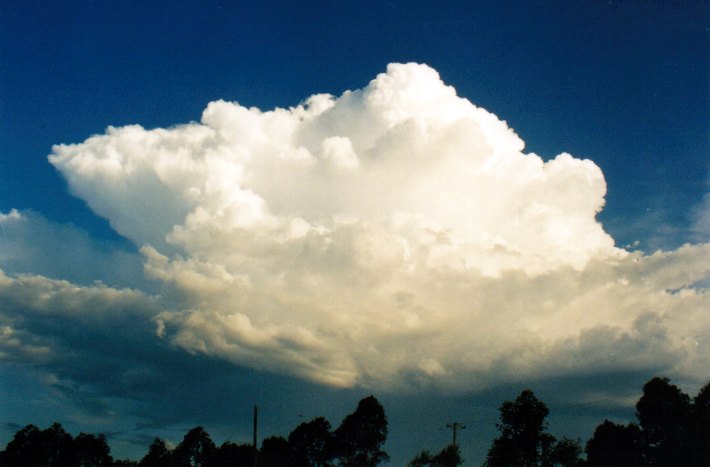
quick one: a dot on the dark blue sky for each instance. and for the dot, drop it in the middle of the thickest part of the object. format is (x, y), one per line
(623, 83)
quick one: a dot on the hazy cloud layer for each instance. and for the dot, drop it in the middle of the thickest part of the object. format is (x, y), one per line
(31, 244)
(69, 331)
(395, 236)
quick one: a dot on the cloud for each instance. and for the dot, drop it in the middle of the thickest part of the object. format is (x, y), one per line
(47, 320)
(29, 243)
(90, 357)
(394, 236)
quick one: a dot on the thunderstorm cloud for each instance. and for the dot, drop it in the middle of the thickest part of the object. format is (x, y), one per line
(395, 236)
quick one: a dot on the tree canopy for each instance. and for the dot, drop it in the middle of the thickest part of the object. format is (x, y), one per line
(523, 440)
(312, 443)
(359, 438)
(450, 456)
(55, 447)
(671, 430)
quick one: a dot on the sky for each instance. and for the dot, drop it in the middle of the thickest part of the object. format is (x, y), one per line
(210, 205)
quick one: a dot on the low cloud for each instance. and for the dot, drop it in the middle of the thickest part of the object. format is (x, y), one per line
(394, 236)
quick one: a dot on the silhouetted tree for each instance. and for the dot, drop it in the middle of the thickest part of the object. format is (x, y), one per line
(450, 456)
(664, 415)
(566, 453)
(234, 455)
(24, 448)
(311, 443)
(92, 450)
(422, 459)
(124, 463)
(195, 449)
(32, 446)
(359, 438)
(158, 454)
(700, 427)
(275, 452)
(522, 441)
(615, 445)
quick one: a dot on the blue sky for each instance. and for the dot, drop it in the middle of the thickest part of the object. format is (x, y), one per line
(623, 84)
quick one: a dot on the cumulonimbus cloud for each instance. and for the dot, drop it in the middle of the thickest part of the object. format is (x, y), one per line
(394, 235)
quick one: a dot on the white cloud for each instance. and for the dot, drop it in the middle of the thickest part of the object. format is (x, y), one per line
(392, 235)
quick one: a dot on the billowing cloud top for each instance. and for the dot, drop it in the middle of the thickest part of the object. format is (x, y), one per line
(395, 235)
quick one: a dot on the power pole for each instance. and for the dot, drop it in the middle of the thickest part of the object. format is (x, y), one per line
(455, 426)
(256, 452)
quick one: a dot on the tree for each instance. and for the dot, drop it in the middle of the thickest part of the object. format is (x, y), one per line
(522, 440)
(700, 425)
(422, 459)
(91, 450)
(615, 445)
(32, 446)
(234, 455)
(57, 445)
(275, 452)
(664, 412)
(359, 438)
(24, 448)
(311, 443)
(195, 449)
(158, 454)
(566, 453)
(450, 456)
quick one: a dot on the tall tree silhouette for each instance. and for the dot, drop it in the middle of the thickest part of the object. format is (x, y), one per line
(195, 449)
(664, 413)
(158, 454)
(359, 438)
(523, 440)
(700, 423)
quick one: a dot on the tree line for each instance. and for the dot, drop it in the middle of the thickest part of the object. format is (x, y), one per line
(356, 442)
(671, 430)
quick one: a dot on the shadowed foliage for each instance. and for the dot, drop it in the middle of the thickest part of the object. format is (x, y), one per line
(312, 443)
(158, 454)
(55, 447)
(671, 430)
(359, 438)
(614, 444)
(275, 450)
(450, 456)
(523, 440)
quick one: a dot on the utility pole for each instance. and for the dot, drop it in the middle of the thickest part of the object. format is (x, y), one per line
(256, 452)
(455, 426)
